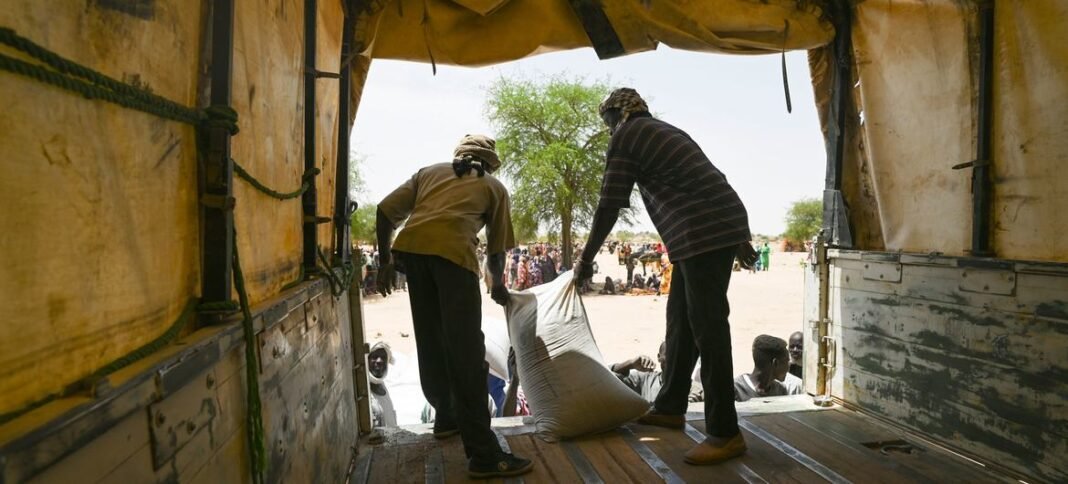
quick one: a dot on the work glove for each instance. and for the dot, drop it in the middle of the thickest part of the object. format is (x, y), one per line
(583, 272)
(384, 281)
(747, 256)
(499, 294)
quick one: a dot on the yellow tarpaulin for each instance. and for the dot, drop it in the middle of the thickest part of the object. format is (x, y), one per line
(481, 32)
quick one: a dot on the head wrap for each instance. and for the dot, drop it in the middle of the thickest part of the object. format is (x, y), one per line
(626, 100)
(478, 152)
(381, 345)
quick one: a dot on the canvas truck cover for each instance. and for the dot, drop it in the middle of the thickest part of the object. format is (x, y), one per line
(916, 95)
(570, 390)
(100, 252)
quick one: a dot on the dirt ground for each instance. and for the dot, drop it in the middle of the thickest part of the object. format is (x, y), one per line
(626, 326)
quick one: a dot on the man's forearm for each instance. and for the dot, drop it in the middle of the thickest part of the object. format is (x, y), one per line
(384, 231)
(603, 221)
(496, 268)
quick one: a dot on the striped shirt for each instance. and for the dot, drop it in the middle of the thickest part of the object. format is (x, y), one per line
(689, 200)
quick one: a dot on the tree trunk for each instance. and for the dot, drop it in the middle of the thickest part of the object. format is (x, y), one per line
(565, 240)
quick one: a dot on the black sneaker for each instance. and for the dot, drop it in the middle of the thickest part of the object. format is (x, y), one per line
(508, 466)
(445, 430)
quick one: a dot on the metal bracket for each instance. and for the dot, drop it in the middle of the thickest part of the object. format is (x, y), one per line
(971, 164)
(830, 362)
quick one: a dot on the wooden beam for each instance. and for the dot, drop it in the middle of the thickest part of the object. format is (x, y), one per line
(598, 28)
(218, 169)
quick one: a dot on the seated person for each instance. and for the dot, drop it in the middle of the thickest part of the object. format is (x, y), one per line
(609, 286)
(378, 361)
(653, 283)
(640, 374)
(771, 362)
(638, 283)
(797, 341)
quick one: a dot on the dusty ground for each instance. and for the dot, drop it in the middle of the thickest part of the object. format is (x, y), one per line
(625, 326)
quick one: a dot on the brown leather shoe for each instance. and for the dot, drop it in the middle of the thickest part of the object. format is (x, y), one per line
(663, 420)
(708, 453)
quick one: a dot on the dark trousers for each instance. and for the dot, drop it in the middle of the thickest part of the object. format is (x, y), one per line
(697, 327)
(447, 315)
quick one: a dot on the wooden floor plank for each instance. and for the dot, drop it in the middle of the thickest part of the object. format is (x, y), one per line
(671, 445)
(384, 464)
(769, 463)
(411, 463)
(559, 465)
(601, 459)
(523, 446)
(855, 463)
(454, 461)
(934, 463)
(636, 468)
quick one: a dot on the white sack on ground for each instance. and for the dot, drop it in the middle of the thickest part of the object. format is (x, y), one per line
(567, 385)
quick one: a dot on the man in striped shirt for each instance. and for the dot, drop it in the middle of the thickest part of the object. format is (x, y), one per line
(704, 225)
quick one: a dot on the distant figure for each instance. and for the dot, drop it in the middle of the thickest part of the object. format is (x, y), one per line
(609, 286)
(640, 374)
(765, 257)
(378, 360)
(771, 363)
(797, 341)
(638, 282)
(653, 283)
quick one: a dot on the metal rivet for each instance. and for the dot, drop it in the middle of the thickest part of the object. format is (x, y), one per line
(211, 381)
(160, 418)
(190, 427)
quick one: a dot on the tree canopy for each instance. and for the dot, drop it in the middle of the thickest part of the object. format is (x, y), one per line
(552, 143)
(803, 220)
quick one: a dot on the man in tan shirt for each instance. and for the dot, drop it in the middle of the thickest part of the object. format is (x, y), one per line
(445, 206)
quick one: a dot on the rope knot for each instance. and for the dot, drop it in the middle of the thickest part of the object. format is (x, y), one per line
(221, 115)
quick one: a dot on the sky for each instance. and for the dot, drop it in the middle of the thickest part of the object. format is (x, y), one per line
(733, 106)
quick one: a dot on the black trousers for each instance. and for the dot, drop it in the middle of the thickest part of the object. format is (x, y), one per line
(447, 315)
(697, 327)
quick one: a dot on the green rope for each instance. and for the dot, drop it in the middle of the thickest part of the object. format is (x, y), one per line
(338, 284)
(134, 356)
(75, 77)
(307, 179)
(254, 408)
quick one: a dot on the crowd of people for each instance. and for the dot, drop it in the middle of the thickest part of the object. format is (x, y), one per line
(533, 265)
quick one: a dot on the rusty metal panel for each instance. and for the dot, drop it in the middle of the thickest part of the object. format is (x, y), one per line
(968, 352)
(988, 282)
(180, 417)
(882, 271)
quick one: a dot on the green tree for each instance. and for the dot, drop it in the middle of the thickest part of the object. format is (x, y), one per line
(363, 223)
(552, 143)
(803, 220)
(357, 183)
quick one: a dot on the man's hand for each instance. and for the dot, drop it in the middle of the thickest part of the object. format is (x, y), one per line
(640, 363)
(384, 281)
(746, 255)
(583, 272)
(500, 295)
(696, 396)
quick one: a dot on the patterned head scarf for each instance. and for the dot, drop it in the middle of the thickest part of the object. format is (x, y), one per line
(626, 100)
(476, 151)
